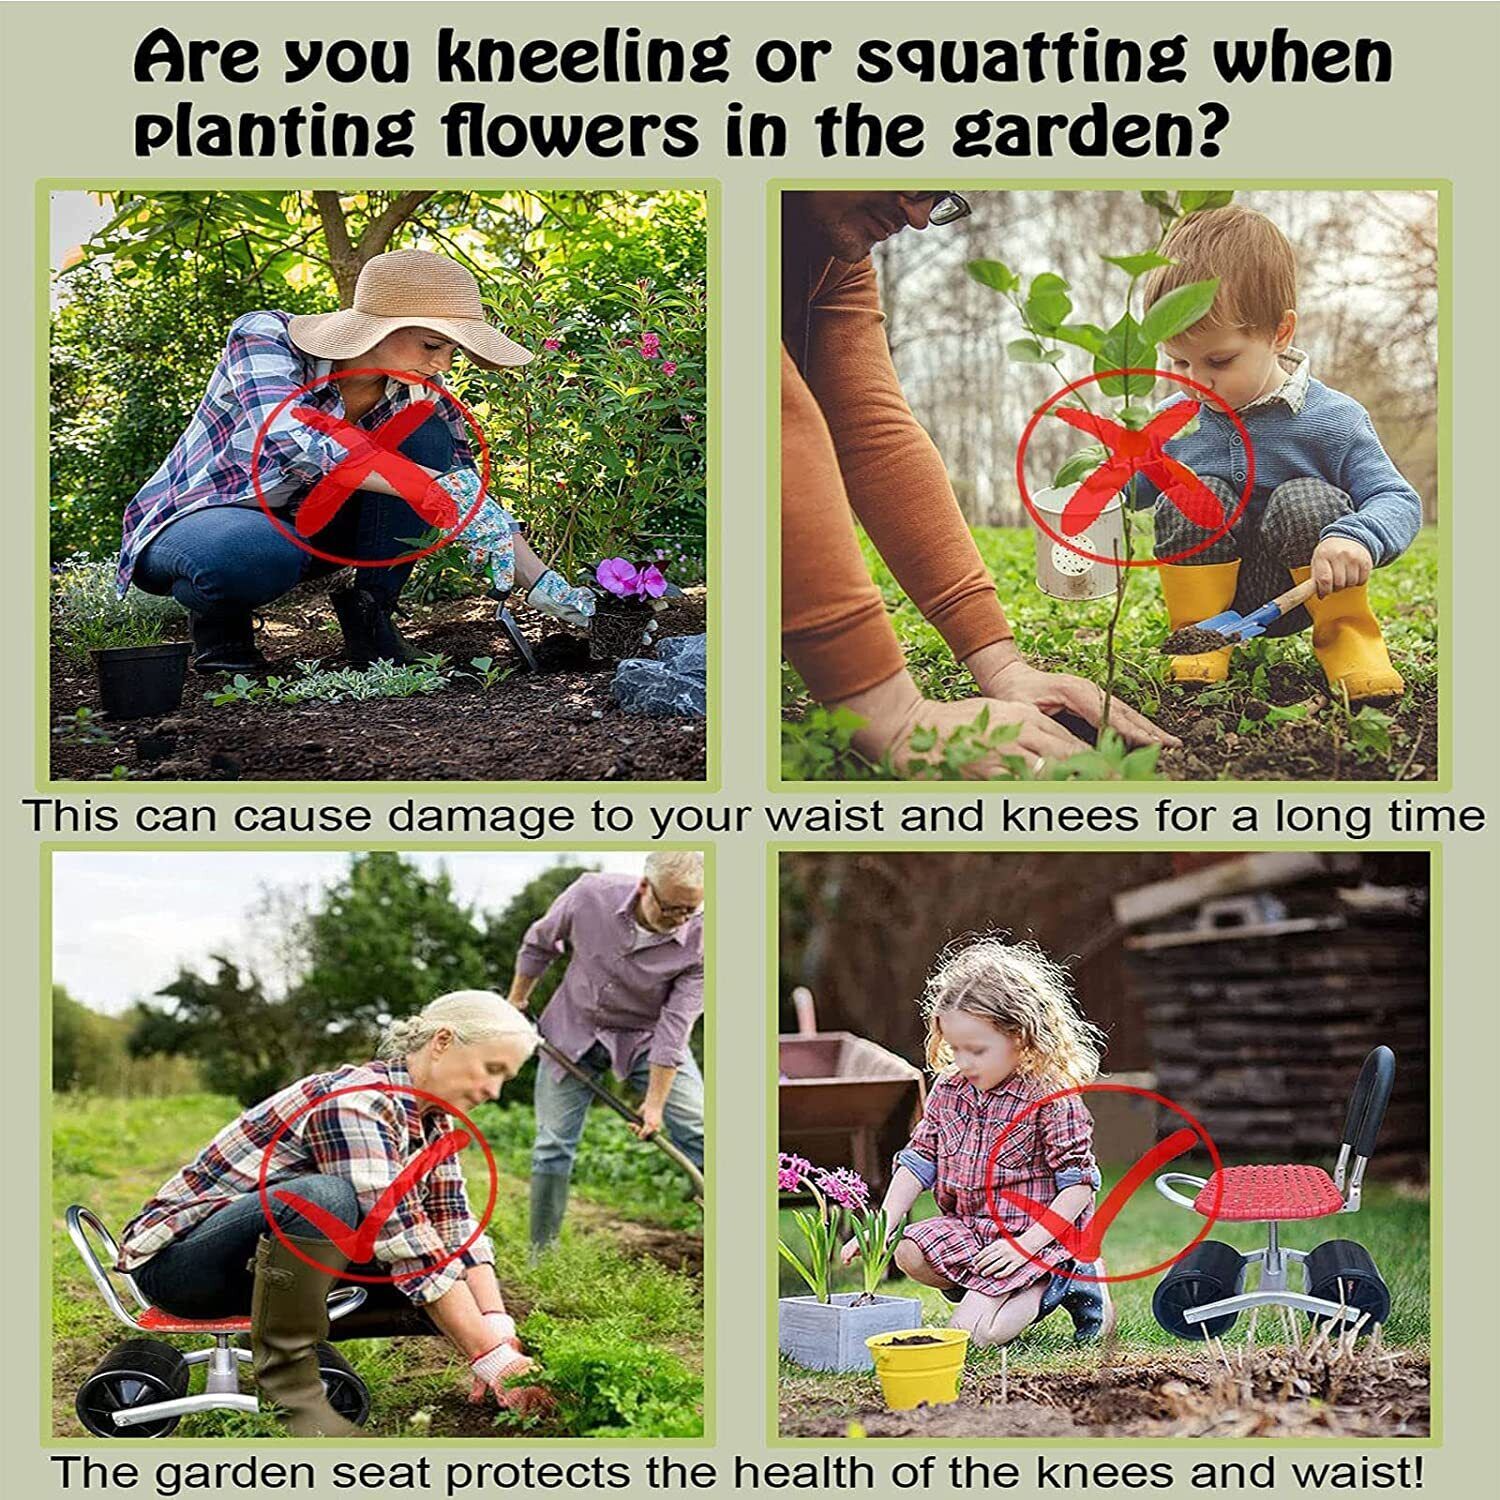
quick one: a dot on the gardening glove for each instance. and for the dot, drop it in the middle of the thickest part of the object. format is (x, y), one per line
(449, 497)
(500, 1364)
(502, 1327)
(551, 596)
(490, 541)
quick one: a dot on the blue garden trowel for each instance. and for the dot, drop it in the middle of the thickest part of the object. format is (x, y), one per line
(1238, 627)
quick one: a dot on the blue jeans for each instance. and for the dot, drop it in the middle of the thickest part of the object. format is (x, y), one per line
(227, 559)
(206, 1274)
(562, 1106)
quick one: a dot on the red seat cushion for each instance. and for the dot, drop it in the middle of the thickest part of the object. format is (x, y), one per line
(1264, 1193)
(164, 1322)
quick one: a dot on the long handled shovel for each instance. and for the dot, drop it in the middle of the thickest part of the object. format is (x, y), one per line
(621, 1108)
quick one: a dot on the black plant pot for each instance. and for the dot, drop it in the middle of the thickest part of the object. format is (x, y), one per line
(619, 630)
(141, 682)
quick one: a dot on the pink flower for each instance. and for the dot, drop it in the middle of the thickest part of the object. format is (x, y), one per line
(618, 576)
(791, 1172)
(842, 1186)
(669, 367)
(650, 345)
(688, 419)
(650, 583)
(552, 345)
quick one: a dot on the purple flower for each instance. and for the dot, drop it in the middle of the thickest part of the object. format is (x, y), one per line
(791, 1172)
(618, 576)
(649, 581)
(842, 1186)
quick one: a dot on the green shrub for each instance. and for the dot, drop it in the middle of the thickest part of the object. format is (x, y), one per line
(606, 1382)
(88, 617)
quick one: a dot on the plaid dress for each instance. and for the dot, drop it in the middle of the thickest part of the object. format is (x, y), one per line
(1048, 1151)
(366, 1137)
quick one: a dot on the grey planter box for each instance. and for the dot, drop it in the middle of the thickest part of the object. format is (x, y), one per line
(831, 1335)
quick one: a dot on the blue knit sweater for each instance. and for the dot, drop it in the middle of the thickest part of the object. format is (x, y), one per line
(1323, 435)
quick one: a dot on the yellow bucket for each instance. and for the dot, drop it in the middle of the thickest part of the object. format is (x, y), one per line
(911, 1374)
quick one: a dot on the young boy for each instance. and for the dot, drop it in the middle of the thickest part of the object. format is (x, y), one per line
(1327, 500)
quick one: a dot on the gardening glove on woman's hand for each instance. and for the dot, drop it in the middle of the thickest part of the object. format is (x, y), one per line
(490, 541)
(502, 1328)
(1060, 692)
(448, 497)
(551, 596)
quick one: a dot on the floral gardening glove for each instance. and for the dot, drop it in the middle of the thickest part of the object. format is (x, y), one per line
(490, 541)
(448, 498)
(551, 595)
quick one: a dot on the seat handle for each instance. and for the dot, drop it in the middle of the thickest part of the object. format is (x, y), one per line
(1165, 1188)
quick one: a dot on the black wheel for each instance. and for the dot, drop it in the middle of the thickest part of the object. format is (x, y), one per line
(1209, 1272)
(139, 1372)
(348, 1395)
(1344, 1272)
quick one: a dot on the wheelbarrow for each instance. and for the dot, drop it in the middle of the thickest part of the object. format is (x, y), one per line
(668, 1148)
(842, 1097)
(140, 1388)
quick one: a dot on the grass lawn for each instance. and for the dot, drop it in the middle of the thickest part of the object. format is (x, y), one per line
(619, 1329)
(1272, 720)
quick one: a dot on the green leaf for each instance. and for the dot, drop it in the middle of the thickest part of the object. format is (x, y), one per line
(1161, 202)
(1138, 265)
(1135, 416)
(1178, 310)
(1125, 349)
(1029, 352)
(1196, 202)
(994, 274)
(1084, 335)
(1079, 466)
(1048, 303)
(922, 740)
(1286, 715)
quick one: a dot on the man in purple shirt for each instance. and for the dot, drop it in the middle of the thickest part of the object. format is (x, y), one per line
(627, 1005)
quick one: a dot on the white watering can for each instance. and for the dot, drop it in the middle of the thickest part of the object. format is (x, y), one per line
(1060, 571)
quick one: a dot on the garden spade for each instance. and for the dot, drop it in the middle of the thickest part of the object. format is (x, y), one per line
(507, 623)
(1238, 627)
(621, 1108)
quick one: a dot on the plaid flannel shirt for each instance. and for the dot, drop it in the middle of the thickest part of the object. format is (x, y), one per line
(210, 462)
(367, 1138)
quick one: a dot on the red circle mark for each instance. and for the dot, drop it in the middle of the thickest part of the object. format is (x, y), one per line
(1134, 562)
(364, 562)
(1106, 1088)
(395, 1089)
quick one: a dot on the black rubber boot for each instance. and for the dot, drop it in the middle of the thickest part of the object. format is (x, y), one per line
(369, 633)
(225, 642)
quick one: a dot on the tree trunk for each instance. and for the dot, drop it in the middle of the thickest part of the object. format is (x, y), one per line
(345, 256)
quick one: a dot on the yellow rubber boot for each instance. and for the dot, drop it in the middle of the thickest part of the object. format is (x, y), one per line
(1349, 645)
(1194, 594)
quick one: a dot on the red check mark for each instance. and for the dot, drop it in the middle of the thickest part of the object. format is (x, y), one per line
(358, 1243)
(1084, 1245)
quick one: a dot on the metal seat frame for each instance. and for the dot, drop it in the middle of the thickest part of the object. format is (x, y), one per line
(1372, 1093)
(221, 1390)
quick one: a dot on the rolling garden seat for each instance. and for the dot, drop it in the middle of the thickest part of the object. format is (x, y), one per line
(140, 1388)
(1204, 1292)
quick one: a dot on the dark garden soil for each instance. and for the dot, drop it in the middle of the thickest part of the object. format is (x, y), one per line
(1191, 640)
(1227, 733)
(558, 725)
(1385, 1394)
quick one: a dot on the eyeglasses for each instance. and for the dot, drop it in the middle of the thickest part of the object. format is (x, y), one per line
(947, 207)
(668, 909)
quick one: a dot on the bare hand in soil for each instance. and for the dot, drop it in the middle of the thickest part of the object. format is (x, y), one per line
(1193, 640)
(1057, 692)
(1040, 737)
(1339, 563)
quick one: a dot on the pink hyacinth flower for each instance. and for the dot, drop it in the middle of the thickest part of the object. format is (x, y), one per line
(791, 1172)
(649, 582)
(842, 1186)
(618, 576)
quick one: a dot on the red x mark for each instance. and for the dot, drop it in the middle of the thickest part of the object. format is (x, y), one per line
(1132, 453)
(373, 452)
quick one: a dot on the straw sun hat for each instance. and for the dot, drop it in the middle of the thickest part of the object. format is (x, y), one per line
(409, 289)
